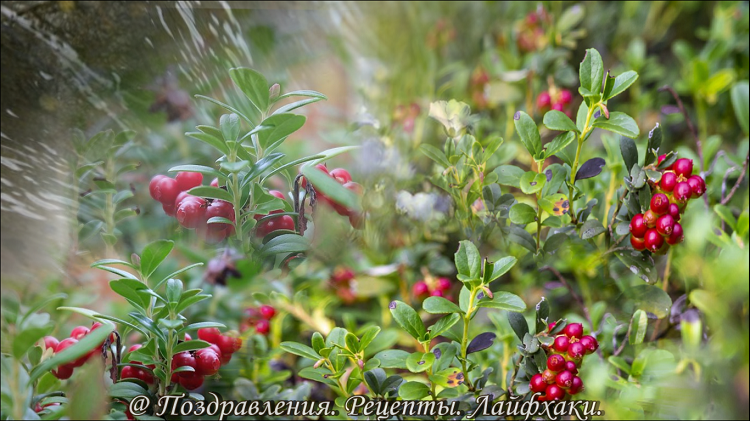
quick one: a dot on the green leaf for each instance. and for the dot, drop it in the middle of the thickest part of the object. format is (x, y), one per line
(518, 324)
(126, 390)
(468, 261)
(435, 154)
(444, 324)
(392, 358)
(307, 93)
(522, 214)
(654, 143)
(439, 305)
(555, 204)
(212, 193)
(500, 268)
(620, 363)
(650, 298)
(226, 107)
(509, 175)
(740, 103)
(235, 167)
(412, 391)
(503, 300)
(532, 182)
(283, 167)
(277, 128)
(294, 105)
(591, 228)
(285, 243)
(559, 143)
(190, 345)
(201, 169)
(102, 262)
(619, 123)
(557, 120)
(528, 132)
(175, 273)
(629, 152)
(253, 84)
(230, 127)
(301, 350)
(420, 361)
(331, 188)
(591, 71)
(640, 265)
(554, 242)
(522, 238)
(408, 319)
(638, 327)
(153, 254)
(621, 83)
(174, 291)
(261, 166)
(726, 215)
(26, 339)
(368, 336)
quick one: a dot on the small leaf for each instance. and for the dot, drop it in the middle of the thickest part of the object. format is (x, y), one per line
(726, 215)
(557, 120)
(419, 362)
(439, 305)
(650, 298)
(468, 261)
(619, 123)
(230, 127)
(621, 83)
(392, 358)
(408, 319)
(518, 324)
(212, 193)
(285, 244)
(412, 391)
(556, 204)
(654, 143)
(522, 214)
(500, 268)
(253, 84)
(278, 127)
(444, 324)
(504, 301)
(509, 175)
(591, 71)
(201, 169)
(528, 132)
(629, 152)
(331, 188)
(559, 143)
(481, 342)
(591, 228)
(521, 237)
(435, 154)
(153, 255)
(301, 350)
(590, 168)
(532, 182)
(190, 346)
(638, 327)
(740, 103)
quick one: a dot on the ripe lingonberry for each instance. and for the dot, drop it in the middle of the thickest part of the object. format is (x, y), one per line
(537, 384)
(191, 381)
(341, 175)
(188, 337)
(664, 225)
(79, 332)
(436, 293)
(649, 219)
(564, 379)
(215, 182)
(543, 100)
(356, 220)
(590, 343)
(557, 106)
(674, 210)
(192, 212)
(320, 167)
(576, 351)
(166, 190)
(342, 274)
(571, 366)
(263, 327)
(152, 186)
(576, 386)
(135, 347)
(555, 362)
(225, 358)
(64, 371)
(209, 334)
(561, 343)
(51, 342)
(638, 226)
(677, 235)
(420, 288)
(267, 312)
(208, 362)
(549, 376)
(573, 330)
(683, 167)
(229, 344)
(187, 180)
(682, 192)
(183, 359)
(668, 181)
(65, 343)
(551, 326)
(443, 284)
(555, 393)
(180, 197)
(222, 209)
(638, 244)
(660, 203)
(654, 241)
(565, 96)
(697, 186)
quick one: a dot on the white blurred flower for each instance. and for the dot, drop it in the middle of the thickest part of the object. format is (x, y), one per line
(421, 206)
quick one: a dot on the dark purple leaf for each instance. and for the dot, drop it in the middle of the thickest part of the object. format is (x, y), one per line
(480, 342)
(590, 168)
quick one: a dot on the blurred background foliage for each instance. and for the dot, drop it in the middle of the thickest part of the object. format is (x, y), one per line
(136, 66)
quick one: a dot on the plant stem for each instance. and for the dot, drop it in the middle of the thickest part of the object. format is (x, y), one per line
(574, 170)
(465, 338)
(539, 165)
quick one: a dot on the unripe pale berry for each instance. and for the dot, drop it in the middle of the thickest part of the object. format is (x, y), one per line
(649, 219)
(654, 241)
(638, 226)
(549, 376)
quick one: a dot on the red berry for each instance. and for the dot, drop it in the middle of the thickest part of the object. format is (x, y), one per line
(649, 219)
(166, 190)
(638, 244)
(209, 334)
(341, 275)
(128, 372)
(263, 327)
(551, 326)
(191, 382)
(229, 344)
(557, 106)
(356, 220)
(571, 366)
(214, 348)
(222, 209)
(341, 175)
(79, 332)
(638, 226)
(564, 379)
(576, 386)
(208, 362)
(590, 343)
(537, 383)
(576, 350)
(664, 225)
(697, 186)
(215, 182)
(188, 337)
(555, 393)
(267, 312)
(64, 371)
(97, 325)
(565, 96)
(152, 186)
(65, 343)
(436, 293)
(285, 223)
(420, 289)
(555, 362)
(135, 347)
(443, 284)
(144, 375)
(660, 203)
(277, 193)
(183, 359)
(543, 100)
(321, 167)
(51, 342)
(225, 358)
(573, 330)
(674, 210)
(549, 376)
(683, 167)
(187, 180)
(180, 197)
(561, 343)
(682, 192)
(668, 181)
(661, 158)
(191, 213)
(653, 240)
(677, 235)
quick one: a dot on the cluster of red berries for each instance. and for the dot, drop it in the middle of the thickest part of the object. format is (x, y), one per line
(283, 222)
(659, 227)
(566, 354)
(206, 361)
(531, 31)
(64, 371)
(192, 212)
(345, 179)
(259, 318)
(555, 99)
(343, 282)
(439, 287)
